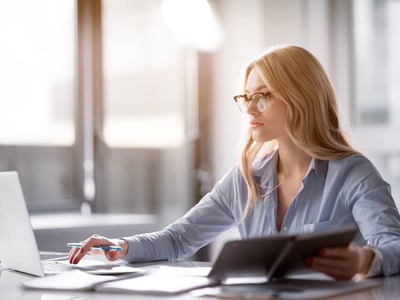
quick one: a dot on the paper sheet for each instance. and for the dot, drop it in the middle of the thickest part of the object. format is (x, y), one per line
(182, 271)
(68, 281)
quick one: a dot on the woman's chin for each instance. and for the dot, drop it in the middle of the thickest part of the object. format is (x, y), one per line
(260, 139)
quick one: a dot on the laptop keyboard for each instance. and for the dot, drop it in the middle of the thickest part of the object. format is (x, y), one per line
(56, 266)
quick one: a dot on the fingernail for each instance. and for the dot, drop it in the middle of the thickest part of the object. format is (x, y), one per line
(322, 252)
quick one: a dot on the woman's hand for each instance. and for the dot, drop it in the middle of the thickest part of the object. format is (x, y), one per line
(76, 254)
(342, 263)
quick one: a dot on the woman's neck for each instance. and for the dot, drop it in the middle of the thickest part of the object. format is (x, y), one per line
(292, 159)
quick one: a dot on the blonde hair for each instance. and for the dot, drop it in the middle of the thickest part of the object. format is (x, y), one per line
(312, 122)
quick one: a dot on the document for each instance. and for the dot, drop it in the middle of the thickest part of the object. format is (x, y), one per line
(68, 281)
(158, 284)
(166, 280)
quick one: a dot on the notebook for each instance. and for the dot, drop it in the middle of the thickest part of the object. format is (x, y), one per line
(18, 247)
(278, 255)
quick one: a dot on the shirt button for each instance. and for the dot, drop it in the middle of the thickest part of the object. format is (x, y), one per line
(285, 228)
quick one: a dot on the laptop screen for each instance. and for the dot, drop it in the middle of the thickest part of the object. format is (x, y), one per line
(18, 247)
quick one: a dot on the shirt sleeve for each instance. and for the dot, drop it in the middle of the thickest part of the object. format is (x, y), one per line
(198, 227)
(376, 214)
(375, 269)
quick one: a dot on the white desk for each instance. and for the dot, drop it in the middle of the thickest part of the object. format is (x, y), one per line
(10, 288)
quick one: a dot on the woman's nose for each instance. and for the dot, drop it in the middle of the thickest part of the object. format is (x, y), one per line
(251, 109)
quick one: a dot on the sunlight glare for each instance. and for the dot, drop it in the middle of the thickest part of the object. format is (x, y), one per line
(193, 23)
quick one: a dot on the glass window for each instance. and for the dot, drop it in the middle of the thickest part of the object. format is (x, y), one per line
(37, 72)
(377, 89)
(37, 96)
(144, 67)
(143, 77)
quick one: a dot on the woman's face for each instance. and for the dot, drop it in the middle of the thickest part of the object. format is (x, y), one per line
(269, 124)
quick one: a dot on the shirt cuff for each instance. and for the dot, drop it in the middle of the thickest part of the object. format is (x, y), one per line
(130, 255)
(375, 267)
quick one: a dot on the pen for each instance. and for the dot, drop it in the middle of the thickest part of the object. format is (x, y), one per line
(102, 247)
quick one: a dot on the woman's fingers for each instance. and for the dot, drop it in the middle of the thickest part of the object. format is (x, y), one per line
(112, 255)
(76, 254)
(72, 254)
(342, 269)
(340, 262)
(335, 272)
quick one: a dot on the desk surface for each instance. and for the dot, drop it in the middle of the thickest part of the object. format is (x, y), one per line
(10, 288)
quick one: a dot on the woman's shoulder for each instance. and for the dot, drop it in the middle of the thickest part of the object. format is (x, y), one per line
(353, 161)
(356, 166)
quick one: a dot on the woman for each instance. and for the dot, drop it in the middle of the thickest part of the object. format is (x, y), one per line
(298, 173)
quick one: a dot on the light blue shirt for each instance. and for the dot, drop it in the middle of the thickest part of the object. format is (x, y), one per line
(348, 191)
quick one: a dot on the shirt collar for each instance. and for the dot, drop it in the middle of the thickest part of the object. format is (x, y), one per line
(319, 166)
(265, 168)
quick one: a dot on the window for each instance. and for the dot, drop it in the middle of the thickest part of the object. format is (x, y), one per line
(144, 156)
(377, 91)
(37, 99)
(94, 107)
(144, 72)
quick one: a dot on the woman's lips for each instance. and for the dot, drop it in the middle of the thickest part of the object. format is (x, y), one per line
(255, 124)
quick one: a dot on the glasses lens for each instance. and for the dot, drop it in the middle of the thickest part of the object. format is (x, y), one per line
(260, 102)
(242, 104)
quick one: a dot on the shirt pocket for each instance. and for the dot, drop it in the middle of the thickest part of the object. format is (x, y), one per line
(312, 227)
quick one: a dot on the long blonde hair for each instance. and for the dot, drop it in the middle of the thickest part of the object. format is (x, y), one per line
(312, 122)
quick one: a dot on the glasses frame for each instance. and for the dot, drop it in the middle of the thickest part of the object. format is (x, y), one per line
(249, 99)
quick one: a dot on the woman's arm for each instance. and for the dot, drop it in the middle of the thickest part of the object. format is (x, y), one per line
(368, 198)
(198, 227)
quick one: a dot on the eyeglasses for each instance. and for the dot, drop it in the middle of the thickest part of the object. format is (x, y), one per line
(258, 99)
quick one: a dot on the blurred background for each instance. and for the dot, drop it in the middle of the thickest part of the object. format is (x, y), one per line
(118, 114)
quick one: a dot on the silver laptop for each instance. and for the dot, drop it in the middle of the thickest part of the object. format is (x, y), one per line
(18, 247)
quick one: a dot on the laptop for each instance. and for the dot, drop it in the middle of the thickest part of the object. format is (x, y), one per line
(18, 247)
